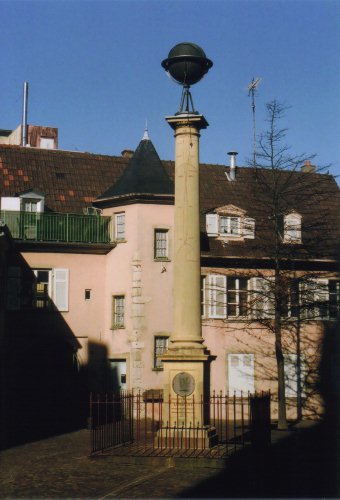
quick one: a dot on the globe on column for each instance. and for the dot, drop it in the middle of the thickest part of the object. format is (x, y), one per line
(187, 63)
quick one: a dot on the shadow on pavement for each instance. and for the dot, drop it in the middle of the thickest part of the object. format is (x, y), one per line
(305, 463)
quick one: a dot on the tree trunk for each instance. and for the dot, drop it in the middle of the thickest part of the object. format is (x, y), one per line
(282, 415)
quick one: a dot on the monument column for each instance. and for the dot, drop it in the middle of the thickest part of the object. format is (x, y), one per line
(187, 269)
(186, 362)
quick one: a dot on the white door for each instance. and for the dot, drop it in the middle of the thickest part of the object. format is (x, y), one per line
(118, 374)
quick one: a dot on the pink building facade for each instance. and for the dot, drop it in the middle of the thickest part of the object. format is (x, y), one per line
(112, 286)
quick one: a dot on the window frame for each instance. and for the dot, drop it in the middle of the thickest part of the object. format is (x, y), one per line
(215, 293)
(166, 232)
(120, 235)
(116, 323)
(228, 219)
(157, 363)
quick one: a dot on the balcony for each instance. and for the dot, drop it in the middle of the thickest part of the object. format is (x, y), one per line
(56, 227)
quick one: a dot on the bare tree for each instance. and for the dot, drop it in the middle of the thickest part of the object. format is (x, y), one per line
(293, 234)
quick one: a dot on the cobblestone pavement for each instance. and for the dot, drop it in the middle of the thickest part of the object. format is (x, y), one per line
(60, 467)
(301, 463)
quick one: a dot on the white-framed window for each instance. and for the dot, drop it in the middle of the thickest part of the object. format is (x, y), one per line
(292, 368)
(230, 226)
(118, 311)
(120, 226)
(161, 244)
(241, 378)
(160, 347)
(237, 297)
(51, 289)
(225, 296)
(292, 228)
(320, 299)
(233, 226)
(30, 205)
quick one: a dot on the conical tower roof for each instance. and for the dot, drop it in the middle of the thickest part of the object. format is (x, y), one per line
(144, 178)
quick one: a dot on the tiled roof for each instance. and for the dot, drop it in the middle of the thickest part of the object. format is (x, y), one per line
(144, 175)
(69, 180)
(73, 180)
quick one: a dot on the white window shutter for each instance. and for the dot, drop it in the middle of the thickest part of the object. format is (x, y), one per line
(241, 373)
(10, 203)
(249, 228)
(60, 289)
(217, 296)
(212, 224)
(263, 297)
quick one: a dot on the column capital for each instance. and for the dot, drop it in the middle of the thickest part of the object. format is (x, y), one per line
(187, 120)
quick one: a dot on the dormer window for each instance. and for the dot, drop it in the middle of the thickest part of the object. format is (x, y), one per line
(292, 228)
(230, 222)
(230, 225)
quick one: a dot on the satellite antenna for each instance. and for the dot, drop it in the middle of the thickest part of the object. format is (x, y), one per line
(252, 87)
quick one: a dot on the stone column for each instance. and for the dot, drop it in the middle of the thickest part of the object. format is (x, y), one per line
(186, 363)
(187, 316)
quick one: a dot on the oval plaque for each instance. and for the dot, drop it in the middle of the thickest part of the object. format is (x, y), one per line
(183, 384)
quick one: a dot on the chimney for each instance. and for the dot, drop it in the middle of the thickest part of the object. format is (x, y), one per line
(232, 173)
(127, 153)
(24, 117)
(308, 167)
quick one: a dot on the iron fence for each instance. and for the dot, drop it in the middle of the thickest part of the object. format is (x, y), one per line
(69, 228)
(145, 424)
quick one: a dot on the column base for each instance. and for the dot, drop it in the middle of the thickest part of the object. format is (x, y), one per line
(199, 438)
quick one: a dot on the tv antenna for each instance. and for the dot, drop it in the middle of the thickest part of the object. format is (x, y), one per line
(252, 87)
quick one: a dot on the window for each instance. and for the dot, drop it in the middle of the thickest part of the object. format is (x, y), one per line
(241, 373)
(51, 289)
(225, 296)
(229, 226)
(237, 296)
(160, 347)
(118, 308)
(161, 244)
(29, 205)
(292, 228)
(320, 299)
(120, 226)
(88, 294)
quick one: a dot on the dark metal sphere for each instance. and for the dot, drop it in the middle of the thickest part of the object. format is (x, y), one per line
(187, 63)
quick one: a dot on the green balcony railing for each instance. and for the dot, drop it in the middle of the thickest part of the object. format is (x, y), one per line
(69, 228)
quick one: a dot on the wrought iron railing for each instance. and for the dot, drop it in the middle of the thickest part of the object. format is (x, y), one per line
(57, 227)
(145, 424)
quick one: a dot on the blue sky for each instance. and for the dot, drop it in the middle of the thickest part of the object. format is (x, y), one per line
(94, 71)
